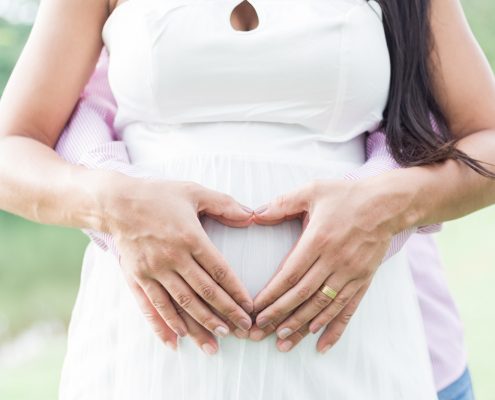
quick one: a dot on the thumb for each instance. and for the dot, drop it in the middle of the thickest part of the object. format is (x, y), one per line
(224, 208)
(284, 207)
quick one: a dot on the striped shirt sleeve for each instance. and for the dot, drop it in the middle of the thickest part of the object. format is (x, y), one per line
(378, 161)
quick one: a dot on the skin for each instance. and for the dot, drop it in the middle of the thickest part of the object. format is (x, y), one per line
(370, 212)
(350, 224)
(193, 290)
(166, 254)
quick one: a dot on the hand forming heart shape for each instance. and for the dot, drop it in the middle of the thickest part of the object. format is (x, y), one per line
(342, 245)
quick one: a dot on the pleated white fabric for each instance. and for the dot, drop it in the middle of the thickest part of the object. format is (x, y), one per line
(283, 125)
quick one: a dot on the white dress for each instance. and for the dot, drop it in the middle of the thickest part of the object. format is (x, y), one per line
(253, 114)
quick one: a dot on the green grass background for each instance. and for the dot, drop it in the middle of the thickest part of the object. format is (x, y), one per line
(40, 267)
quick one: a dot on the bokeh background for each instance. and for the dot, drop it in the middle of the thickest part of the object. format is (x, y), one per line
(40, 265)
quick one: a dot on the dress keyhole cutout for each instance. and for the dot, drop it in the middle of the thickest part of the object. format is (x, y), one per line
(244, 17)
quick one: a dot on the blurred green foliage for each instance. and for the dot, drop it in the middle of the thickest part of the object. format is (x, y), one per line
(40, 265)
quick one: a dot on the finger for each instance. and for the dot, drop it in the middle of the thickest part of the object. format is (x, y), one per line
(159, 326)
(317, 303)
(295, 266)
(223, 208)
(290, 342)
(160, 300)
(298, 294)
(201, 336)
(258, 334)
(239, 333)
(185, 296)
(337, 326)
(284, 207)
(212, 261)
(213, 294)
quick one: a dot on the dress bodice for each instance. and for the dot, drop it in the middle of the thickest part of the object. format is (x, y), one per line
(320, 64)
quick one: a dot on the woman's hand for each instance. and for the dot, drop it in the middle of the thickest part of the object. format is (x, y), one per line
(346, 233)
(166, 254)
(201, 336)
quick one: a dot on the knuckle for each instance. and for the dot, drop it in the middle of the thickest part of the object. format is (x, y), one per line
(321, 300)
(302, 331)
(330, 315)
(232, 314)
(346, 317)
(158, 305)
(208, 292)
(341, 301)
(303, 293)
(150, 316)
(184, 300)
(219, 273)
(292, 279)
(188, 238)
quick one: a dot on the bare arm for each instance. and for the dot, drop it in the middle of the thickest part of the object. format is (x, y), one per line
(40, 95)
(464, 86)
(369, 212)
(36, 183)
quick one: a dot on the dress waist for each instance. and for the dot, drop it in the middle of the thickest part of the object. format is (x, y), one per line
(151, 145)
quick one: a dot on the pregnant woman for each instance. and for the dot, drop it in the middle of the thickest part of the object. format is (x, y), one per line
(239, 107)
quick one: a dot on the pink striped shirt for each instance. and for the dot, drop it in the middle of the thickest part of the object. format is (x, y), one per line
(90, 140)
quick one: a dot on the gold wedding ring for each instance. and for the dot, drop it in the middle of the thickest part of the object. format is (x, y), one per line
(328, 291)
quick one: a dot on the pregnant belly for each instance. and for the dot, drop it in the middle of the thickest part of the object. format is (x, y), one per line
(254, 163)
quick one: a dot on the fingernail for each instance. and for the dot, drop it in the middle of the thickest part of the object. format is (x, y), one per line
(170, 344)
(247, 209)
(247, 306)
(283, 333)
(245, 324)
(208, 349)
(256, 335)
(262, 322)
(285, 346)
(325, 348)
(261, 209)
(221, 331)
(315, 328)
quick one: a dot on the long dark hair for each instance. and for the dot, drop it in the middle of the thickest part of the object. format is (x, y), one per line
(413, 122)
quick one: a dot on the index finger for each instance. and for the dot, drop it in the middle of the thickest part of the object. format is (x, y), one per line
(212, 261)
(299, 261)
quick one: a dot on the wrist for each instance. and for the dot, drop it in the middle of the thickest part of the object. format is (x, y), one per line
(401, 197)
(106, 190)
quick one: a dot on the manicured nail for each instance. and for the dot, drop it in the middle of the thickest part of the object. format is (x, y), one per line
(285, 346)
(247, 306)
(261, 209)
(262, 322)
(315, 328)
(247, 209)
(221, 331)
(245, 324)
(256, 335)
(283, 333)
(325, 348)
(208, 349)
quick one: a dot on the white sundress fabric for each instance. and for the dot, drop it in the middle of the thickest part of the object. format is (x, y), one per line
(253, 114)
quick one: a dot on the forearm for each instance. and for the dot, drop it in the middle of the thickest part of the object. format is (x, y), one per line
(38, 185)
(430, 194)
